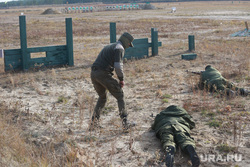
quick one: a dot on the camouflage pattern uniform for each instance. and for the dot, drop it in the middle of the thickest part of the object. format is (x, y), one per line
(172, 126)
(212, 80)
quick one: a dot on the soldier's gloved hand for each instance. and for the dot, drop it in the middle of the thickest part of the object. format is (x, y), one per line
(122, 83)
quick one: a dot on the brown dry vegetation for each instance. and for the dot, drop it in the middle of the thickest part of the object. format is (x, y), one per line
(45, 114)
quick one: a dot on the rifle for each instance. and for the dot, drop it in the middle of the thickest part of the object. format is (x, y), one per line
(195, 72)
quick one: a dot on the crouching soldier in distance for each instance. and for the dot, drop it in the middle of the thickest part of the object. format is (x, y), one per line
(212, 80)
(172, 126)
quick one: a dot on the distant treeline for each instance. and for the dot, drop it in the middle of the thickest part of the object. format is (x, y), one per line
(48, 2)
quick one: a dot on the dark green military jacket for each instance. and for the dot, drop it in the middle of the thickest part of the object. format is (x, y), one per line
(173, 115)
(212, 78)
(110, 58)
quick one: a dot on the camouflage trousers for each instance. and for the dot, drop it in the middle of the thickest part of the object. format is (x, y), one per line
(175, 135)
(223, 85)
(103, 82)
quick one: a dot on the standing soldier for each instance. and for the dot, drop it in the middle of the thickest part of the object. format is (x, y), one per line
(212, 80)
(172, 126)
(108, 60)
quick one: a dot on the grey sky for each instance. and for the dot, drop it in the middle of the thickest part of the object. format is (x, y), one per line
(4, 0)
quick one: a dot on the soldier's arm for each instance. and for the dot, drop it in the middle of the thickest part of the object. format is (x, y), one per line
(118, 64)
(153, 125)
(188, 118)
(156, 120)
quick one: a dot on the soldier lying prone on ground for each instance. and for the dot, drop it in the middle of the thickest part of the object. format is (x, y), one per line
(212, 80)
(172, 126)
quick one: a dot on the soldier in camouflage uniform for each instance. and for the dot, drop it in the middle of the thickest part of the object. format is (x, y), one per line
(172, 126)
(109, 59)
(212, 80)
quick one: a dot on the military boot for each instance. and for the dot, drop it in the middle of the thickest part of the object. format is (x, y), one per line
(193, 156)
(169, 160)
(126, 124)
(244, 92)
(230, 93)
(95, 124)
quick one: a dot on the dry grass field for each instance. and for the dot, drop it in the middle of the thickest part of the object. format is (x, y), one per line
(45, 113)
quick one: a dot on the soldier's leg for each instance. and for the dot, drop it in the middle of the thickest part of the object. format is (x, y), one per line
(236, 90)
(190, 150)
(243, 92)
(102, 93)
(166, 137)
(229, 85)
(187, 144)
(231, 89)
(240, 91)
(117, 92)
(169, 159)
(106, 80)
(100, 102)
(229, 92)
(115, 89)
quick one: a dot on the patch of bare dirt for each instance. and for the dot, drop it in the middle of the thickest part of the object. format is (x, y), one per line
(50, 11)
